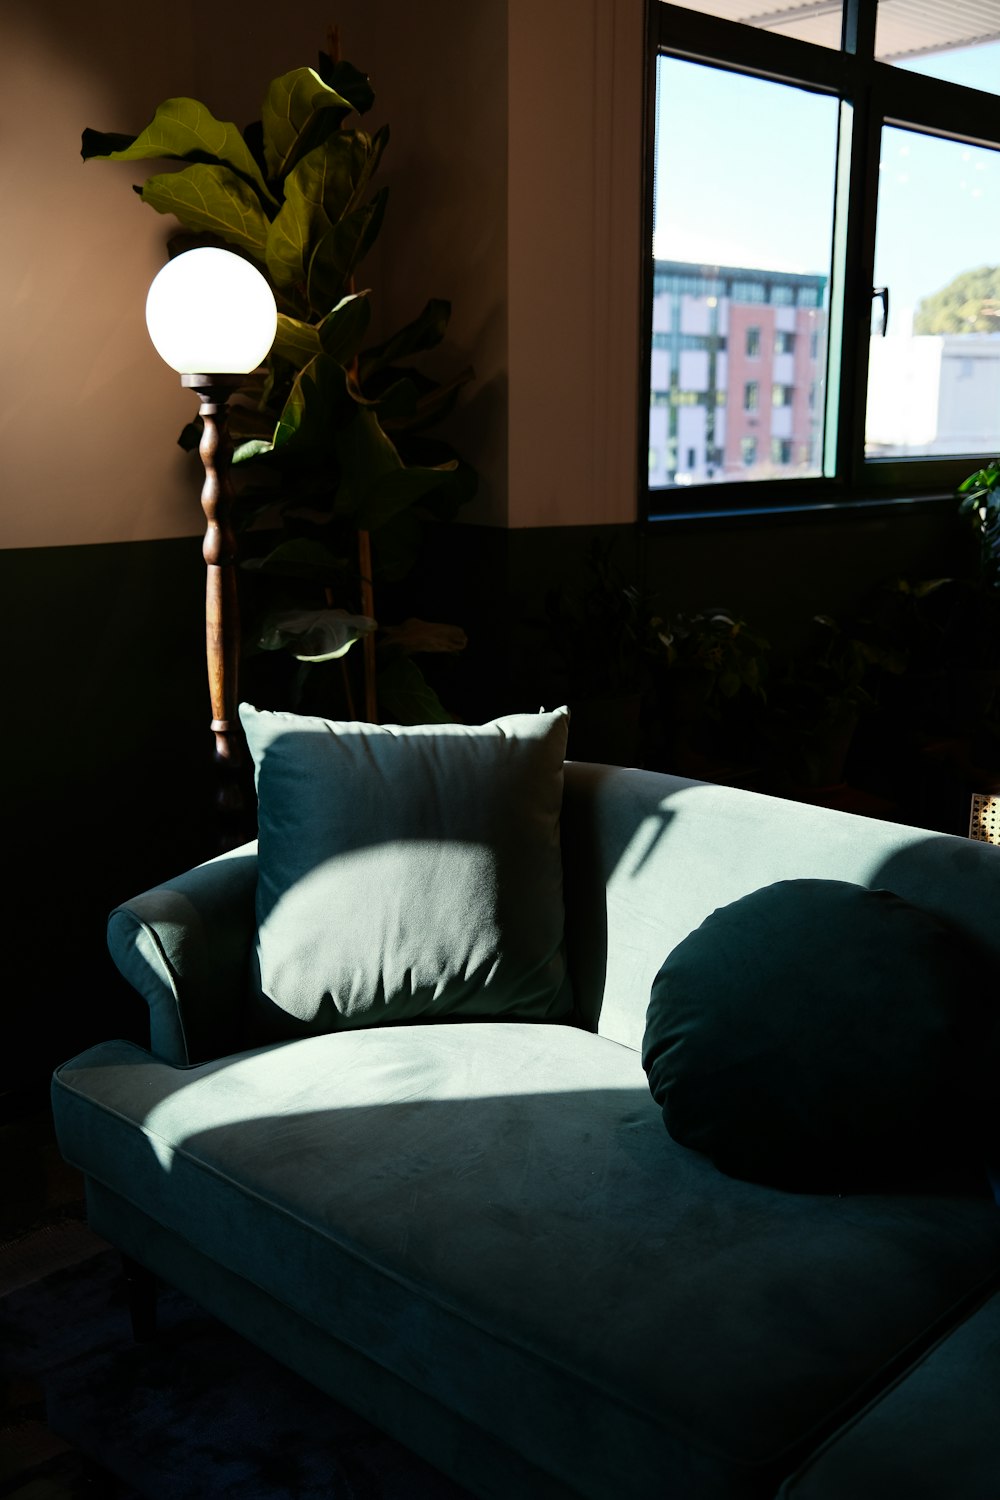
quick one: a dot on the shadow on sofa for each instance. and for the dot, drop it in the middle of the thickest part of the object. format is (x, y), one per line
(485, 1242)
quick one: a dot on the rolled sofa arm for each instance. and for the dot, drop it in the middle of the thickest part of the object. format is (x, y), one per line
(185, 946)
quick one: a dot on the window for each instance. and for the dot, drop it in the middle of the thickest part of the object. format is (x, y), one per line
(861, 124)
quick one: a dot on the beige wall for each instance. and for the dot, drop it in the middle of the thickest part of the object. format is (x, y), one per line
(575, 175)
(514, 173)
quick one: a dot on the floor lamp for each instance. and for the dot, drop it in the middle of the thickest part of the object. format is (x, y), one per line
(212, 317)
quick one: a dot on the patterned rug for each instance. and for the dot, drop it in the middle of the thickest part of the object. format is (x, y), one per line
(195, 1413)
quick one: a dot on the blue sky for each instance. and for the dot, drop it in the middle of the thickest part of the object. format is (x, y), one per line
(745, 176)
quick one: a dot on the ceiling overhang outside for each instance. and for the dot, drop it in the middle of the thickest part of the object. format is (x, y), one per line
(906, 28)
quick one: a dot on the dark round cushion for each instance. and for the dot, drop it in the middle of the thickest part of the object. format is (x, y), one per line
(819, 1036)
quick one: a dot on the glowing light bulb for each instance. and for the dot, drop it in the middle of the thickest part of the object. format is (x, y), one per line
(210, 312)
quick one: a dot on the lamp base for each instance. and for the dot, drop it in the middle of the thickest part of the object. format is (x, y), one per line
(215, 388)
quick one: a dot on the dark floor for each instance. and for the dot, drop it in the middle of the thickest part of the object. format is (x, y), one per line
(42, 1227)
(38, 1186)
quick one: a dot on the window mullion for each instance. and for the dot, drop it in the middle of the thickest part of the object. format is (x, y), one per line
(859, 263)
(860, 17)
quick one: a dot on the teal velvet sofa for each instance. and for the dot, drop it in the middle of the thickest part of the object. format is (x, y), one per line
(478, 1232)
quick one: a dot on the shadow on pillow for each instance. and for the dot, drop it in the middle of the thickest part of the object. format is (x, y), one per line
(820, 1037)
(406, 873)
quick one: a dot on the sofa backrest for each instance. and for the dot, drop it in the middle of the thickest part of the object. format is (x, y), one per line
(646, 857)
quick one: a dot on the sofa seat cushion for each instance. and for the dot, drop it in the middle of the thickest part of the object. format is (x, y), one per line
(932, 1435)
(494, 1213)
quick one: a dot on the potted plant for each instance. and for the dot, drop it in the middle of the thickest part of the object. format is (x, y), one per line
(817, 703)
(334, 442)
(710, 689)
(599, 635)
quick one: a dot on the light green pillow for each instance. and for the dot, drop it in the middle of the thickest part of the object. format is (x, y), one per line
(407, 873)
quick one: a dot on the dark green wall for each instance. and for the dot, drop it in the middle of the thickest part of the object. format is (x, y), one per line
(776, 572)
(107, 768)
(106, 764)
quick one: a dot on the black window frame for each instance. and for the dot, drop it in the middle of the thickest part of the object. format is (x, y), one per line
(873, 95)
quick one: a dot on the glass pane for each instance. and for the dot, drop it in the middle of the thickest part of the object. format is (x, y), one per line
(817, 21)
(934, 379)
(957, 40)
(742, 234)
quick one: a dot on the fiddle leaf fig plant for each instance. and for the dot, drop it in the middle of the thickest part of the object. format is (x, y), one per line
(336, 441)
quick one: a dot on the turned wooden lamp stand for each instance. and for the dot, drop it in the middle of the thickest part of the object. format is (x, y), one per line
(222, 611)
(212, 318)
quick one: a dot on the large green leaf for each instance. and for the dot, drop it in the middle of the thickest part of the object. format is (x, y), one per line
(366, 456)
(367, 156)
(348, 81)
(301, 557)
(314, 635)
(425, 332)
(343, 328)
(422, 635)
(298, 113)
(405, 697)
(318, 192)
(444, 502)
(343, 246)
(432, 401)
(185, 129)
(252, 448)
(211, 198)
(375, 484)
(397, 403)
(289, 245)
(296, 341)
(399, 489)
(315, 411)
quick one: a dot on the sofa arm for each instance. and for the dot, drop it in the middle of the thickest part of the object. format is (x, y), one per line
(185, 946)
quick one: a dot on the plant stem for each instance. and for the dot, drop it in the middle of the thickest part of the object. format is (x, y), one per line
(368, 608)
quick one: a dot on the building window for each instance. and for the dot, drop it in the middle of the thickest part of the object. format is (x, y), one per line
(865, 128)
(748, 451)
(749, 291)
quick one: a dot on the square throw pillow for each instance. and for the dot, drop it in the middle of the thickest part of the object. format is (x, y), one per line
(407, 873)
(819, 1036)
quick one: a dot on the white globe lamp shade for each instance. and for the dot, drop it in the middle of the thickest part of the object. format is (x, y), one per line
(210, 312)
